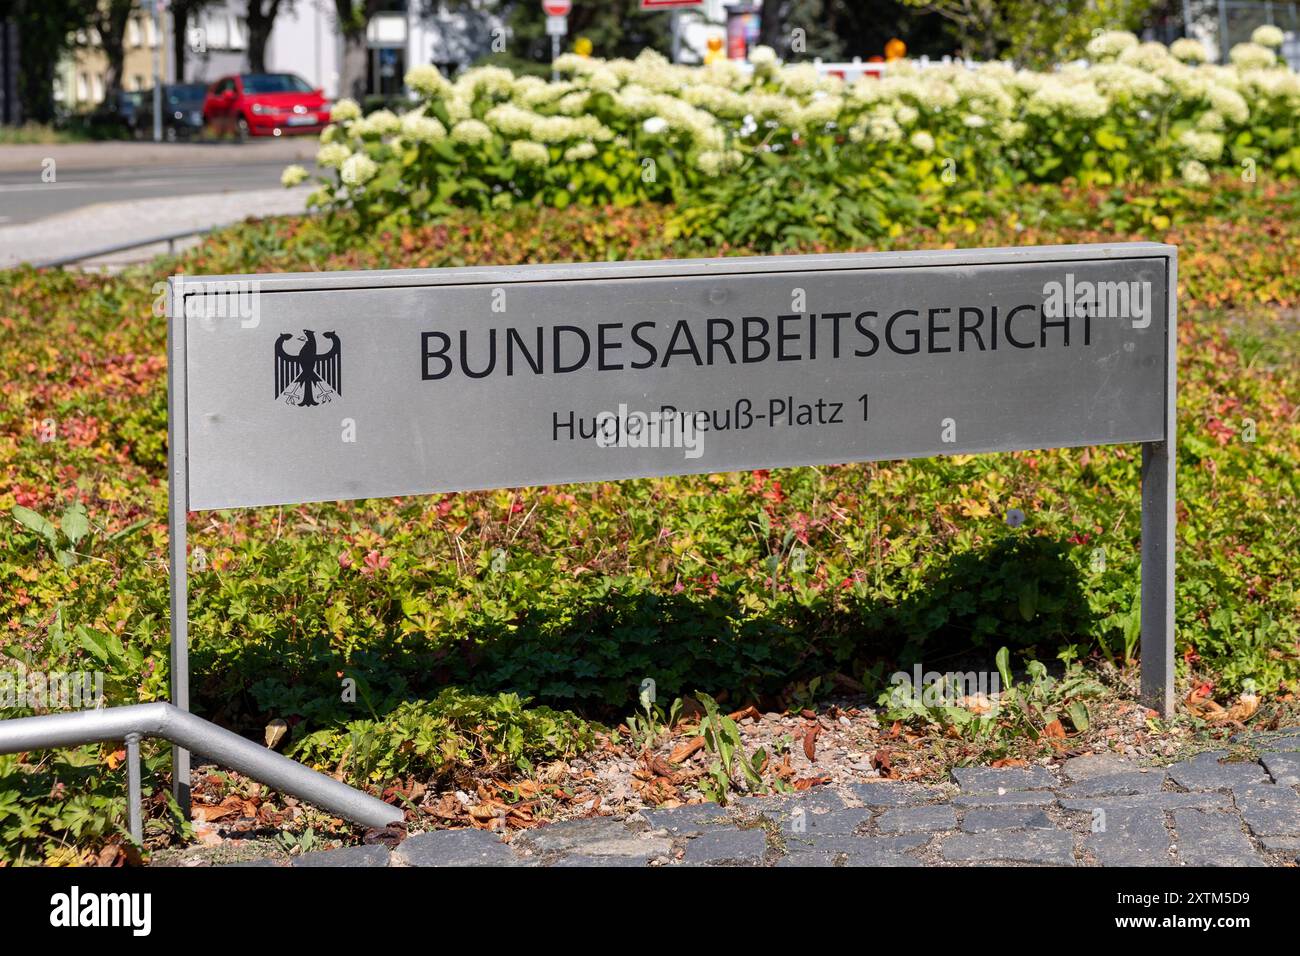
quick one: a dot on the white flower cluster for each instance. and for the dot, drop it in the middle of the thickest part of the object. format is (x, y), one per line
(720, 116)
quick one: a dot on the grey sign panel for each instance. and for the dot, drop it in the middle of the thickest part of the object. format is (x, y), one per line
(350, 385)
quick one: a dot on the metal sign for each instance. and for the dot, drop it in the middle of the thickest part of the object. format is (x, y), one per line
(326, 387)
(556, 8)
(669, 4)
(557, 26)
(297, 388)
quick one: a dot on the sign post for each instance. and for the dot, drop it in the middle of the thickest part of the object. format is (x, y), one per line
(557, 26)
(295, 388)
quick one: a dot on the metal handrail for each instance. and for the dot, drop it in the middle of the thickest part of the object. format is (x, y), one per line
(169, 238)
(166, 722)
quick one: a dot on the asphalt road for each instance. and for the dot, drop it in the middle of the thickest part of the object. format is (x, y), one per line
(89, 173)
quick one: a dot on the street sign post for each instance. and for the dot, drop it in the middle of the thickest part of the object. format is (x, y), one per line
(329, 386)
(557, 26)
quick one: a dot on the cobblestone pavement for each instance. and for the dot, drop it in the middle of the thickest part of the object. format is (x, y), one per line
(1097, 810)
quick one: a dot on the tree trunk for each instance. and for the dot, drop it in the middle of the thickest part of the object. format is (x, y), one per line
(180, 42)
(353, 68)
(260, 19)
(771, 24)
(111, 25)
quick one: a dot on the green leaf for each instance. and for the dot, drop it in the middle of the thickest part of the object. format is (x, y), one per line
(30, 519)
(1003, 660)
(1078, 715)
(75, 522)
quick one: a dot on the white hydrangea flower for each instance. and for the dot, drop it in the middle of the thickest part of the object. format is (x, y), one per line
(492, 81)
(1207, 147)
(1248, 56)
(1145, 56)
(358, 169)
(459, 106)
(576, 154)
(1268, 35)
(799, 80)
(512, 120)
(883, 128)
(427, 80)
(1110, 44)
(345, 110)
(1228, 102)
(292, 176)
(1189, 50)
(1078, 100)
(527, 153)
(922, 141)
(332, 155)
(1195, 173)
(378, 123)
(330, 133)
(1210, 121)
(471, 132)
(762, 57)
(573, 103)
(418, 128)
(655, 125)
(714, 162)
(1009, 131)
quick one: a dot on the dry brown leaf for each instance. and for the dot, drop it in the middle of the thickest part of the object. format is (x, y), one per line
(1055, 729)
(1009, 762)
(275, 732)
(883, 762)
(807, 783)
(685, 751)
(810, 742)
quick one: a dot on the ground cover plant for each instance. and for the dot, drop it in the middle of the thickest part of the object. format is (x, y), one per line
(489, 633)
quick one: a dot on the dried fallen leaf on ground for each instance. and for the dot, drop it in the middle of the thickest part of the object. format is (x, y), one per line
(1009, 762)
(807, 783)
(882, 761)
(275, 732)
(810, 741)
(685, 751)
(1055, 729)
(977, 703)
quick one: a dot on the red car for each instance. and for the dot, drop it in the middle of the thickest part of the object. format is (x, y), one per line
(264, 104)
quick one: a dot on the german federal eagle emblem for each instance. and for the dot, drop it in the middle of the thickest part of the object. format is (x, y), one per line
(311, 377)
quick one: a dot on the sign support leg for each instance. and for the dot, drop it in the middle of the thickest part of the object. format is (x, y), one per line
(1158, 578)
(177, 512)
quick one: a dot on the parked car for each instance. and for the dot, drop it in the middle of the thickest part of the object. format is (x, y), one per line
(119, 113)
(182, 109)
(265, 104)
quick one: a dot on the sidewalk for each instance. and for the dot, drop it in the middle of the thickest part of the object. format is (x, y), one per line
(105, 224)
(1092, 810)
(106, 155)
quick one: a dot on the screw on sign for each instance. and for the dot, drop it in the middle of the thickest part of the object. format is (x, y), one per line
(557, 8)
